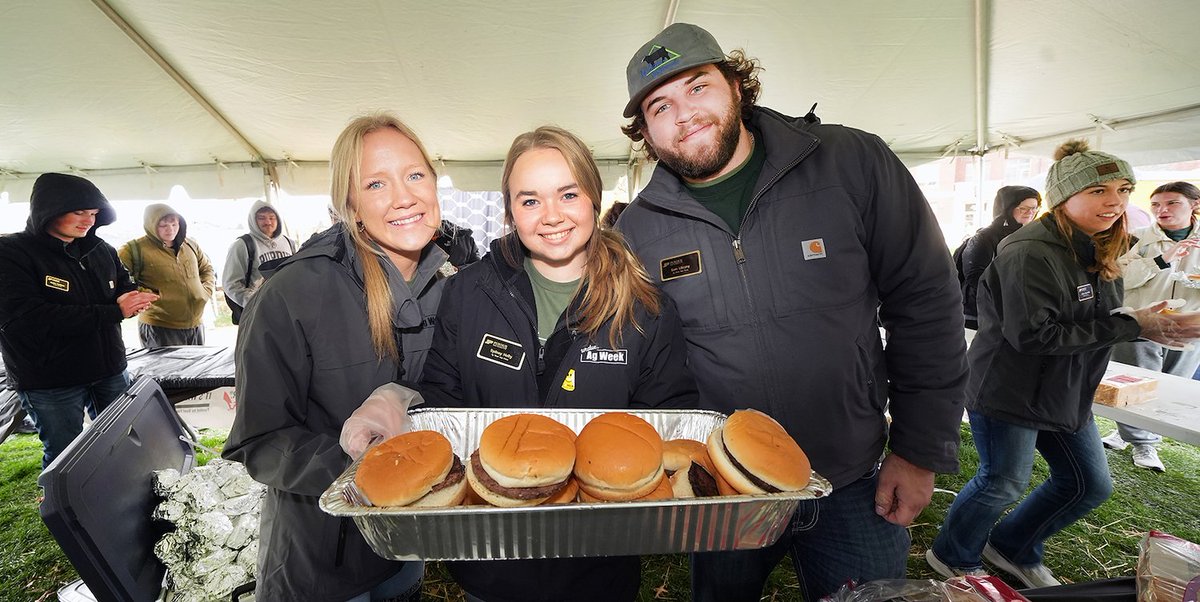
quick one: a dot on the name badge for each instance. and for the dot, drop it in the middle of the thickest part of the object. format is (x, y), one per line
(813, 249)
(679, 266)
(595, 355)
(496, 350)
(1085, 292)
(58, 284)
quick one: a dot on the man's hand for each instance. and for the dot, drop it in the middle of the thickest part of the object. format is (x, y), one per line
(904, 490)
(135, 302)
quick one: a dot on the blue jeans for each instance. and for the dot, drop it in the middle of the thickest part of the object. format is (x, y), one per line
(401, 586)
(831, 540)
(1078, 483)
(58, 413)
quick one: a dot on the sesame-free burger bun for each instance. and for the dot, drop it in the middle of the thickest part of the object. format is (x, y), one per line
(662, 491)
(527, 450)
(566, 495)
(756, 455)
(618, 457)
(678, 453)
(405, 468)
(522, 460)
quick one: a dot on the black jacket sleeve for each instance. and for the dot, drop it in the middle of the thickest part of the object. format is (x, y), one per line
(921, 308)
(977, 256)
(441, 382)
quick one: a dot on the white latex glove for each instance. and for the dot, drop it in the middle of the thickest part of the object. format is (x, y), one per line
(382, 416)
(1169, 329)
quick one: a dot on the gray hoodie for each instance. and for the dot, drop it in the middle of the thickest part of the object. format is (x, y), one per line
(266, 248)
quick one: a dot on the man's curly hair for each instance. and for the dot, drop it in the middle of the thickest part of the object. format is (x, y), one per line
(736, 67)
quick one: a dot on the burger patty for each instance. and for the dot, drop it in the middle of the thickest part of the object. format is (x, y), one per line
(516, 493)
(458, 472)
(703, 484)
(753, 479)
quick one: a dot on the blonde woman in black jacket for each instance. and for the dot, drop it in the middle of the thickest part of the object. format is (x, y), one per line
(1046, 328)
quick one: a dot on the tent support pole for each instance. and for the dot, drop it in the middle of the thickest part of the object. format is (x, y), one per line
(151, 52)
(981, 75)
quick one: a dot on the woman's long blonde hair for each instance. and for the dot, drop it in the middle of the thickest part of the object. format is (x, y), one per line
(613, 277)
(1110, 244)
(344, 164)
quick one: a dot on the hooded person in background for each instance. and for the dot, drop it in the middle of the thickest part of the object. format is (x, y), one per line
(63, 294)
(265, 242)
(165, 261)
(1015, 206)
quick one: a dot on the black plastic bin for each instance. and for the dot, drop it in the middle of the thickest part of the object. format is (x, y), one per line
(99, 495)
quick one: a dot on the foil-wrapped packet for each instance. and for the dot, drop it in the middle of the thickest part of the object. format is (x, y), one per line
(245, 528)
(212, 562)
(213, 528)
(248, 557)
(170, 511)
(242, 504)
(164, 481)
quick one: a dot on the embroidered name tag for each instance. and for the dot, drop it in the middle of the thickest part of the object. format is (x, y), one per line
(1085, 292)
(679, 266)
(501, 351)
(814, 249)
(58, 284)
(595, 355)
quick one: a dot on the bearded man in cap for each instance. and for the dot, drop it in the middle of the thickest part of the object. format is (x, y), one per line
(786, 243)
(63, 295)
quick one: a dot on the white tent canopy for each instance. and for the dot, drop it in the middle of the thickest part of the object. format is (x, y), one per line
(223, 96)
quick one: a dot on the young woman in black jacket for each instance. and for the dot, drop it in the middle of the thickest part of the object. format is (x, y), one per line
(1048, 317)
(580, 325)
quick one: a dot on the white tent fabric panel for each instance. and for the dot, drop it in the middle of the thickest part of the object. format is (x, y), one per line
(468, 76)
(243, 180)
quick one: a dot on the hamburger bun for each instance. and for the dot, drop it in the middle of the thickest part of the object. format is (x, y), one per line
(566, 495)
(660, 492)
(522, 460)
(756, 455)
(692, 474)
(618, 457)
(407, 468)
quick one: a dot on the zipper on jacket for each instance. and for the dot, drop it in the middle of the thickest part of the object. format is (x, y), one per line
(740, 258)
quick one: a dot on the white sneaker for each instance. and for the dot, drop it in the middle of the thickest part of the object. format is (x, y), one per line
(947, 571)
(1146, 456)
(1114, 441)
(1032, 576)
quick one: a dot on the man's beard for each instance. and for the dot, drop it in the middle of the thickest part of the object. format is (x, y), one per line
(707, 162)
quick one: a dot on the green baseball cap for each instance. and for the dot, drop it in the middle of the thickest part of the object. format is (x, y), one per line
(677, 48)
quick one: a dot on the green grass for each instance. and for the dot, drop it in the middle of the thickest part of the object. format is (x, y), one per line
(1102, 544)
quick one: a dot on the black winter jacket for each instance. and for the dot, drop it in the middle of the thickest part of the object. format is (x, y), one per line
(60, 325)
(980, 249)
(486, 354)
(305, 362)
(1045, 330)
(782, 316)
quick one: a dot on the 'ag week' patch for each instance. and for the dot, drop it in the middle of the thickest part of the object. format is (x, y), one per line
(593, 354)
(679, 266)
(509, 354)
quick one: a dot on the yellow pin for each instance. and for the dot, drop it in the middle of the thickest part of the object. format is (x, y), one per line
(569, 381)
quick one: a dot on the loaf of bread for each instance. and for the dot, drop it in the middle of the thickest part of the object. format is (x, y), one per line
(1119, 390)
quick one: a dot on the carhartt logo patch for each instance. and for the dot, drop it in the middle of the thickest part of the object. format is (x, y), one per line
(496, 350)
(1107, 168)
(814, 249)
(593, 354)
(656, 59)
(679, 266)
(1085, 292)
(58, 284)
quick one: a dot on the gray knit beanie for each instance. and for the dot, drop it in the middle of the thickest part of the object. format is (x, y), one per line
(1076, 168)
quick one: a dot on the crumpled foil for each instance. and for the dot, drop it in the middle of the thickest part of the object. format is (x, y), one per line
(215, 509)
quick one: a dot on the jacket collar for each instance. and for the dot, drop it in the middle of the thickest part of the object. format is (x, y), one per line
(786, 140)
(1044, 229)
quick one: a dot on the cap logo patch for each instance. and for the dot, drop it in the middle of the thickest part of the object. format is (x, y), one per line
(657, 57)
(1107, 168)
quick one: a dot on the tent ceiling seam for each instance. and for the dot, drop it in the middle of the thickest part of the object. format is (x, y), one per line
(162, 62)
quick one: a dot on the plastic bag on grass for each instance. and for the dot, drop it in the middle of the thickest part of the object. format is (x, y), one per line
(958, 589)
(1168, 569)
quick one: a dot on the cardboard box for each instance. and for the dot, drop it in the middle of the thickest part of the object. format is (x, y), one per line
(1119, 390)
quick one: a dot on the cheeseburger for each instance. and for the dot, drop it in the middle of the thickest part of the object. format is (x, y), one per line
(618, 458)
(522, 460)
(413, 469)
(755, 455)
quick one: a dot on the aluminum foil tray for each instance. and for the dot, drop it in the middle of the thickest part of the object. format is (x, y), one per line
(567, 530)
